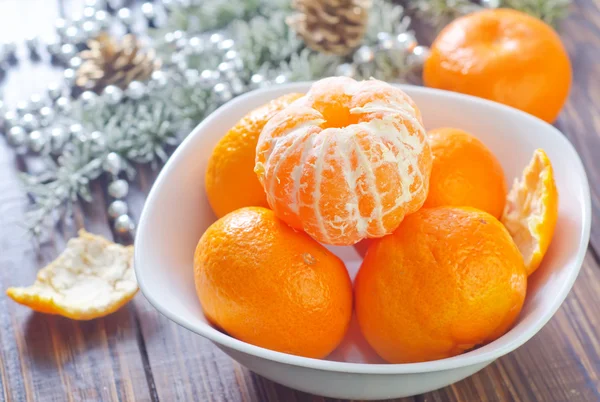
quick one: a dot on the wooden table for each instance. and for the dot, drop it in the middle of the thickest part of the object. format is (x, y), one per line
(137, 354)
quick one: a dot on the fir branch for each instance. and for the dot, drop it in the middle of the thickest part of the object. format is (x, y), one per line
(551, 11)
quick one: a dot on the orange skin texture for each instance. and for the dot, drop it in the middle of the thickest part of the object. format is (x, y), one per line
(464, 173)
(266, 284)
(345, 162)
(503, 55)
(447, 280)
(230, 181)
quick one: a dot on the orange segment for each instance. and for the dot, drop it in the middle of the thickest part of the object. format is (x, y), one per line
(531, 210)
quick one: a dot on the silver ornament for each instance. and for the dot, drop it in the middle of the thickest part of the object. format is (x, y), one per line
(363, 55)
(148, 11)
(216, 39)
(102, 18)
(54, 91)
(135, 90)
(234, 58)
(208, 78)
(118, 189)
(115, 4)
(69, 76)
(237, 86)
(158, 79)
(89, 100)
(385, 40)
(75, 62)
(90, 29)
(192, 77)
(47, 115)
(37, 101)
(29, 122)
(60, 25)
(10, 119)
(112, 164)
(172, 37)
(124, 225)
(16, 137)
(124, 15)
(23, 107)
(63, 105)
(73, 35)
(222, 92)
(418, 56)
(97, 4)
(58, 139)
(37, 141)
(490, 3)
(280, 79)
(88, 13)
(405, 41)
(346, 70)
(76, 130)
(227, 70)
(97, 141)
(182, 43)
(257, 81)
(226, 45)
(112, 94)
(196, 45)
(33, 44)
(117, 208)
(67, 51)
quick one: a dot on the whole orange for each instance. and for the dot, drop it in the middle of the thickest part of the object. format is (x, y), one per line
(464, 173)
(448, 279)
(503, 55)
(266, 284)
(230, 180)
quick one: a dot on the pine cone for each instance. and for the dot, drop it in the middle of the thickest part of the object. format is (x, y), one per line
(108, 62)
(331, 26)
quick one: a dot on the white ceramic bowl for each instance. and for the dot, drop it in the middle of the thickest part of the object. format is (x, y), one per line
(176, 214)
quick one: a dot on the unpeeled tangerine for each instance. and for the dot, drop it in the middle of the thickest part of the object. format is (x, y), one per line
(345, 162)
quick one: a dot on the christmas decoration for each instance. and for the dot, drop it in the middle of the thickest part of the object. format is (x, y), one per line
(108, 62)
(117, 105)
(331, 26)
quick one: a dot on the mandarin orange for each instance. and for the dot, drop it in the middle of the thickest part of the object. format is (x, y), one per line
(266, 284)
(464, 173)
(532, 210)
(346, 161)
(446, 280)
(230, 181)
(503, 55)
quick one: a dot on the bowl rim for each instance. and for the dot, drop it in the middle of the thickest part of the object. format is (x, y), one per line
(459, 361)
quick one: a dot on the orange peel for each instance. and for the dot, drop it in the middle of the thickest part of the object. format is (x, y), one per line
(91, 278)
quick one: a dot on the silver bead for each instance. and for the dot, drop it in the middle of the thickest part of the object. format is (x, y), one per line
(30, 122)
(97, 141)
(237, 86)
(117, 208)
(75, 62)
(196, 45)
(67, 51)
(192, 77)
(418, 56)
(90, 29)
(173, 37)
(115, 4)
(73, 35)
(490, 3)
(405, 41)
(97, 4)
(23, 107)
(216, 39)
(208, 78)
(16, 137)
(124, 225)
(222, 92)
(257, 81)
(385, 40)
(47, 115)
(280, 79)
(135, 90)
(225, 45)
(53, 47)
(63, 105)
(102, 18)
(69, 76)
(363, 55)
(158, 79)
(234, 58)
(227, 70)
(75, 130)
(10, 119)
(58, 139)
(37, 141)
(89, 99)
(112, 94)
(148, 11)
(118, 188)
(124, 15)
(33, 44)
(112, 163)
(37, 101)
(346, 70)
(54, 91)
(60, 25)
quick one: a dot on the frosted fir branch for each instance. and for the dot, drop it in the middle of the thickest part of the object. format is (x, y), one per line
(550, 11)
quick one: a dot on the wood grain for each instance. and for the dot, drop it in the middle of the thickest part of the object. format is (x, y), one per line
(137, 354)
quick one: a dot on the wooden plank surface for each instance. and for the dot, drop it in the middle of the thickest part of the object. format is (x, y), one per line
(137, 354)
